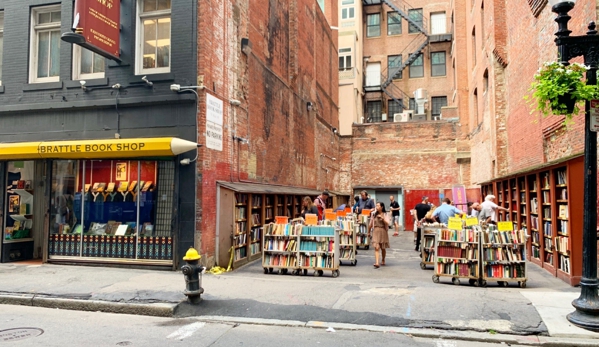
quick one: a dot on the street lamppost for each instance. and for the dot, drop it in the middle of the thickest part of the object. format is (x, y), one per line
(587, 305)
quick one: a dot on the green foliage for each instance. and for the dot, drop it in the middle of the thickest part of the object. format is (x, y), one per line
(492, 332)
(554, 80)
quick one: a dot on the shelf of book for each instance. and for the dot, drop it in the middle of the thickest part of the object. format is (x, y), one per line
(347, 241)
(504, 257)
(300, 248)
(428, 237)
(361, 226)
(457, 255)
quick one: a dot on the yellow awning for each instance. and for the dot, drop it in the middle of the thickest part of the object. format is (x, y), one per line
(95, 149)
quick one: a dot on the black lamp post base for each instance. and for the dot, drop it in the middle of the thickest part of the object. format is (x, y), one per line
(584, 320)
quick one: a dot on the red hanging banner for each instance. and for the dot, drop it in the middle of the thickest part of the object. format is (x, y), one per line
(99, 22)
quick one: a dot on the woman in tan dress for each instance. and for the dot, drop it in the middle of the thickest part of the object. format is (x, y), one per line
(380, 234)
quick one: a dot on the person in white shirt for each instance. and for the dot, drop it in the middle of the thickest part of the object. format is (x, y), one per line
(475, 209)
(490, 207)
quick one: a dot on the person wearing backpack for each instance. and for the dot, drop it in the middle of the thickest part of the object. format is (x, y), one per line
(321, 204)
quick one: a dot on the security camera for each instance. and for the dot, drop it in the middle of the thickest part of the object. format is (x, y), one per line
(116, 86)
(175, 87)
(145, 79)
(185, 161)
(334, 159)
(82, 83)
(83, 86)
(334, 130)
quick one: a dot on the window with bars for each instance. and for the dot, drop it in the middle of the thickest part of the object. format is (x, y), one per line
(437, 103)
(438, 64)
(417, 67)
(164, 203)
(415, 16)
(373, 25)
(393, 107)
(393, 62)
(374, 109)
(393, 23)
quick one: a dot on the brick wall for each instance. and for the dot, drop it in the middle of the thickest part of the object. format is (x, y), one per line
(293, 61)
(419, 155)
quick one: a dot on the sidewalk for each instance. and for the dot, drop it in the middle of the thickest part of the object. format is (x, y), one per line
(399, 294)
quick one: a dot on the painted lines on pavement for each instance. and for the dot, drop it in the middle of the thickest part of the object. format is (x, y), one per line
(186, 331)
(342, 300)
(446, 344)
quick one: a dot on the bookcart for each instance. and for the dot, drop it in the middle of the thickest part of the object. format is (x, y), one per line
(361, 227)
(428, 238)
(503, 256)
(347, 241)
(300, 248)
(457, 254)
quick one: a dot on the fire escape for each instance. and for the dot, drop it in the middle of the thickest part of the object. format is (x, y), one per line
(411, 51)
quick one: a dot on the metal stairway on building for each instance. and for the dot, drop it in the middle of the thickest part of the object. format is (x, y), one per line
(412, 50)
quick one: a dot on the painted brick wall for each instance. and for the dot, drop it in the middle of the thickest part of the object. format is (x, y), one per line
(293, 61)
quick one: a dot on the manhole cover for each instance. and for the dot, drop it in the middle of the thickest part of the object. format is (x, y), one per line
(17, 334)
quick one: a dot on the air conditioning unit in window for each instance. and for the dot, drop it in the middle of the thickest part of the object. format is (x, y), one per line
(400, 117)
(384, 117)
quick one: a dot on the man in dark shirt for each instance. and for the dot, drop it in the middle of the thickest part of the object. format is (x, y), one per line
(421, 210)
(365, 202)
(395, 214)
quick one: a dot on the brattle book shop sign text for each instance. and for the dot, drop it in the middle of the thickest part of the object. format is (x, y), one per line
(91, 148)
(214, 123)
(99, 22)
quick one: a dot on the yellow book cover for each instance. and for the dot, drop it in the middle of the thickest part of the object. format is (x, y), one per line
(87, 186)
(101, 187)
(132, 186)
(95, 187)
(123, 186)
(110, 187)
(146, 186)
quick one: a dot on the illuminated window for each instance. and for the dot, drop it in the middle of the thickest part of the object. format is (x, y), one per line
(154, 36)
(45, 44)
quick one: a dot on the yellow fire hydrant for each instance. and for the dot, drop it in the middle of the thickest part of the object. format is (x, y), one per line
(193, 275)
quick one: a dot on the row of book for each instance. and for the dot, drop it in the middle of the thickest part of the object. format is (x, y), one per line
(534, 222)
(240, 227)
(562, 227)
(504, 254)
(505, 237)
(317, 230)
(535, 237)
(286, 260)
(240, 253)
(241, 198)
(547, 229)
(561, 244)
(561, 177)
(562, 193)
(564, 263)
(241, 213)
(536, 252)
(269, 214)
(240, 239)
(283, 229)
(254, 248)
(548, 243)
(459, 268)
(317, 261)
(505, 271)
(548, 258)
(534, 205)
(466, 235)
(546, 196)
(280, 245)
(256, 200)
(256, 219)
(317, 246)
(346, 253)
(362, 229)
(346, 239)
(345, 225)
(547, 212)
(470, 252)
(364, 219)
(255, 234)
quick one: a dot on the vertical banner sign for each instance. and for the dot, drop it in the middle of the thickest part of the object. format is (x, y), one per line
(594, 115)
(214, 123)
(459, 197)
(99, 22)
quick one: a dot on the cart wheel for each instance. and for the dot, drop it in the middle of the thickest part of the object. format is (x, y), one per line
(476, 283)
(471, 281)
(296, 272)
(320, 272)
(422, 265)
(455, 281)
(522, 284)
(354, 262)
(305, 272)
(285, 271)
(367, 247)
(356, 250)
(483, 283)
(265, 270)
(435, 279)
(503, 284)
(340, 263)
(281, 272)
(270, 270)
(335, 273)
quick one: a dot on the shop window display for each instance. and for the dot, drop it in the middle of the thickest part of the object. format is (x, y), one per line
(113, 210)
(19, 201)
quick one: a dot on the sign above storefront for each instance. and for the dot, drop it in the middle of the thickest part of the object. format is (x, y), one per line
(96, 26)
(95, 149)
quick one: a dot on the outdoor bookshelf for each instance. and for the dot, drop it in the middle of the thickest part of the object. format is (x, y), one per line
(457, 255)
(503, 257)
(241, 227)
(347, 241)
(428, 238)
(361, 226)
(551, 211)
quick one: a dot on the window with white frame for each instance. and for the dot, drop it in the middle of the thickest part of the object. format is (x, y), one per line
(44, 61)
(87, 64)
(345, 58)
(1, 42)
(154, 36)
(347, 9)
(438, 23)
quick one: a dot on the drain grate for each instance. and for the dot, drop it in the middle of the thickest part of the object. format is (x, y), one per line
(16, 334)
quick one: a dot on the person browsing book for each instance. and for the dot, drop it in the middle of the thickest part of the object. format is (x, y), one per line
(421, 210)
(490, 208)
(365, 202)
(380, 235)
(321, 204)
(308, 207)
(446, 211)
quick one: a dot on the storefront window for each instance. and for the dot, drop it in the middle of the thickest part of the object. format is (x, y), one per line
(19, 201)
(114, 211)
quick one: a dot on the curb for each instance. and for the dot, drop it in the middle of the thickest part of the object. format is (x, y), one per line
(149, 309)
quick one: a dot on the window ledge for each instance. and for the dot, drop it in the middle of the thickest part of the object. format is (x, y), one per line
(96, 82)
(158, 77)
(1, 89)
(42, 86)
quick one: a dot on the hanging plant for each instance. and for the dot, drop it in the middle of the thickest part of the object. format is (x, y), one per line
(558, 89)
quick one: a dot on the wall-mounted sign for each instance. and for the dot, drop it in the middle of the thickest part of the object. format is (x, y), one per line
(214, 123)
(96, 26)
